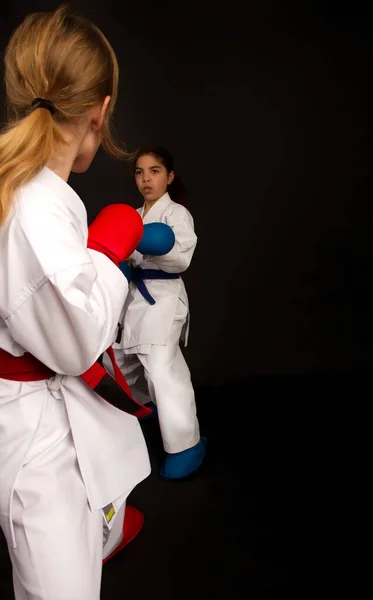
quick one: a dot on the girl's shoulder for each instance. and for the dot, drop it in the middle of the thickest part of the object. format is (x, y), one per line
(49, 197)
(177, 211)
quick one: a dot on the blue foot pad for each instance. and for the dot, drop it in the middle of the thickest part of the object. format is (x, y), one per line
(182, 464)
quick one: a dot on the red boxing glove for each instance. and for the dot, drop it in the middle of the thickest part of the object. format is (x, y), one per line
(116, 232)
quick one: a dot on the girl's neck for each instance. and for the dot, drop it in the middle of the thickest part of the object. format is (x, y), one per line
(63, 157)
(148, 205)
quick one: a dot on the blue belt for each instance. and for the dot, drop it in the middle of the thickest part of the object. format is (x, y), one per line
(139, 274)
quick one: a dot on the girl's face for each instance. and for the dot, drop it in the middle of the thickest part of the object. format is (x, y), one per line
(152, 178)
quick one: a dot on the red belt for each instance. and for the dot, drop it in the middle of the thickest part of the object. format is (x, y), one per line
(115, 391)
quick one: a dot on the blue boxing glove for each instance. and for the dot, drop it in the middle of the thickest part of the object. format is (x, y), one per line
(158, 239)
(126, 270)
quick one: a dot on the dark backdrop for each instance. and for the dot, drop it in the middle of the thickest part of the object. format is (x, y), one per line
(267, 109)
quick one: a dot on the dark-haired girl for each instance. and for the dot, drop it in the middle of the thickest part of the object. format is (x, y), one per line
(149, 353)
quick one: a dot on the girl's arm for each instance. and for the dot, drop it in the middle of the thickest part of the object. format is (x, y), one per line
(63, 301)
(179, 258)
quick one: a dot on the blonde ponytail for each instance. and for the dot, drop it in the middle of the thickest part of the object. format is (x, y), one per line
(67, 60)
(25, 147)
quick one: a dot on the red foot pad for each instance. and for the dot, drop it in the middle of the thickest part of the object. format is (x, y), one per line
(132, 525)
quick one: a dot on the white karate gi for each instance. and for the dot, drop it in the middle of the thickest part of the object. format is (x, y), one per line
(149, 350)
(65, 453)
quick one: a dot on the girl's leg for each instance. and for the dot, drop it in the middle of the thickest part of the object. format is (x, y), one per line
(59, 540)
(171, 389)
(133, 371)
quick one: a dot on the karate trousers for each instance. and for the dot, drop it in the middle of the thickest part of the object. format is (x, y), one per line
(60, 542)
(161, 375)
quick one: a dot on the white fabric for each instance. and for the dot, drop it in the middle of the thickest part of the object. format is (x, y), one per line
(61, 303)
(59, 539)
(169, 386)
(146, 324)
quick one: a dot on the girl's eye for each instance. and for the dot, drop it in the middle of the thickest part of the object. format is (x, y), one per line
(155, 171)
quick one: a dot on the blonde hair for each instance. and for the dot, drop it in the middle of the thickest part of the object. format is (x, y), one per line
(62, 58)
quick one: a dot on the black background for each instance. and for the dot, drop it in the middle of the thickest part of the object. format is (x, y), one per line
(267, 109)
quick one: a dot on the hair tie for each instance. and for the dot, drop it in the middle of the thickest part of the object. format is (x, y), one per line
(42, 103)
